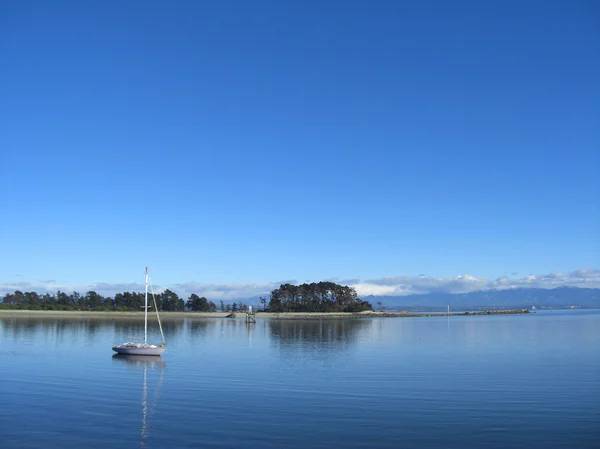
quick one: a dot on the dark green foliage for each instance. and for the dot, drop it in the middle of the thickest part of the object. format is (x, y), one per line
(127, 301)
(199, 304)
(170, 301)
(316, 297)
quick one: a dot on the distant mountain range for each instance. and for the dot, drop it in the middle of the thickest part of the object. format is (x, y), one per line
(519, 297)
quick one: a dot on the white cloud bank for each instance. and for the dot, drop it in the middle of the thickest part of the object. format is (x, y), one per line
(414, 285)
(387, 286)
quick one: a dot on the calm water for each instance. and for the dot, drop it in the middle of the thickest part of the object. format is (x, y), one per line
(528, 381)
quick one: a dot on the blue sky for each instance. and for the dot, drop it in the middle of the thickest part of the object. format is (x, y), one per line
(248, 143)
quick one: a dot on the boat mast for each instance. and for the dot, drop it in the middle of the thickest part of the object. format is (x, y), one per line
(146, 310)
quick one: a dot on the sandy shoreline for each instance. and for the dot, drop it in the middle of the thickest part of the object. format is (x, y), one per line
(259, 315)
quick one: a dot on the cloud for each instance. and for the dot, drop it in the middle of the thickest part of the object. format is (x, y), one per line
(348, 281)
(230, 290)
(409, 285)
(341, 281)
(289, 281)
(585, 273)
(17, 285)
(212, 291)
(385, 286)
(51, 286)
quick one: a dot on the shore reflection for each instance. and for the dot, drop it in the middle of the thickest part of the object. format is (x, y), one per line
(299, 341)
(340, 332)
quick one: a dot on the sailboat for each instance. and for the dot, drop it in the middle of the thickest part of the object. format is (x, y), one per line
(133, 348)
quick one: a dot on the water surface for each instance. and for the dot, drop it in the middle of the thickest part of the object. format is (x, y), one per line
(497, 381)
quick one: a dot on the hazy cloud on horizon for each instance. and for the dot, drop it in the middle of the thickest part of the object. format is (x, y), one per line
(414, 285)
(388, 286)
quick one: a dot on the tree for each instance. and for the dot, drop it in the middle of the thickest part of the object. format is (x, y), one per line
(171, 302)
(93, 300)
(108, 303)
(77, 301)
(32, 301)
(119, 301)
(200, 304)
(64, 300)
(380, 305)
(263, 301)
(316, 297)
(125, 301)
(48, 301)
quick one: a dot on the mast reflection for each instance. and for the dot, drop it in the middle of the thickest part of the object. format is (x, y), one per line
(144, 362)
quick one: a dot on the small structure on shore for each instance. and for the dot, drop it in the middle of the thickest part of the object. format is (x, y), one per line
(250, 315)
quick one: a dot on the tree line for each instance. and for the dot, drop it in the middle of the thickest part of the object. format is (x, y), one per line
(121, 302)
(314, 297)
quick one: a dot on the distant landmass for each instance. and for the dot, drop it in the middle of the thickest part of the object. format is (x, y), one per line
(519, 297)
(494, 299)
(541, 298)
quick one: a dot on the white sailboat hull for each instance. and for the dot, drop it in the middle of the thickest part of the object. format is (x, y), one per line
(139, 349)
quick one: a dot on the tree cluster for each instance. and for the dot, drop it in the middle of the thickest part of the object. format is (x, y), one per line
(316, 297)
(234, 307)
(128, 301)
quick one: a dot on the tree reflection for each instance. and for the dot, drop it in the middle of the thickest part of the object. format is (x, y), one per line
(322, 338)
(127, 329)
(199, 328)
(51, 329)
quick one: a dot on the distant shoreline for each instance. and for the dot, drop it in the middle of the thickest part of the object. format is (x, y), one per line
(259, 315)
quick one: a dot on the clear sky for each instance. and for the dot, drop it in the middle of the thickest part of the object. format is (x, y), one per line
(239, 142)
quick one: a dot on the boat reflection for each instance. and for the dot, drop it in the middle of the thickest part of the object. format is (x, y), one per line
(140, 360)
(148, 407)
